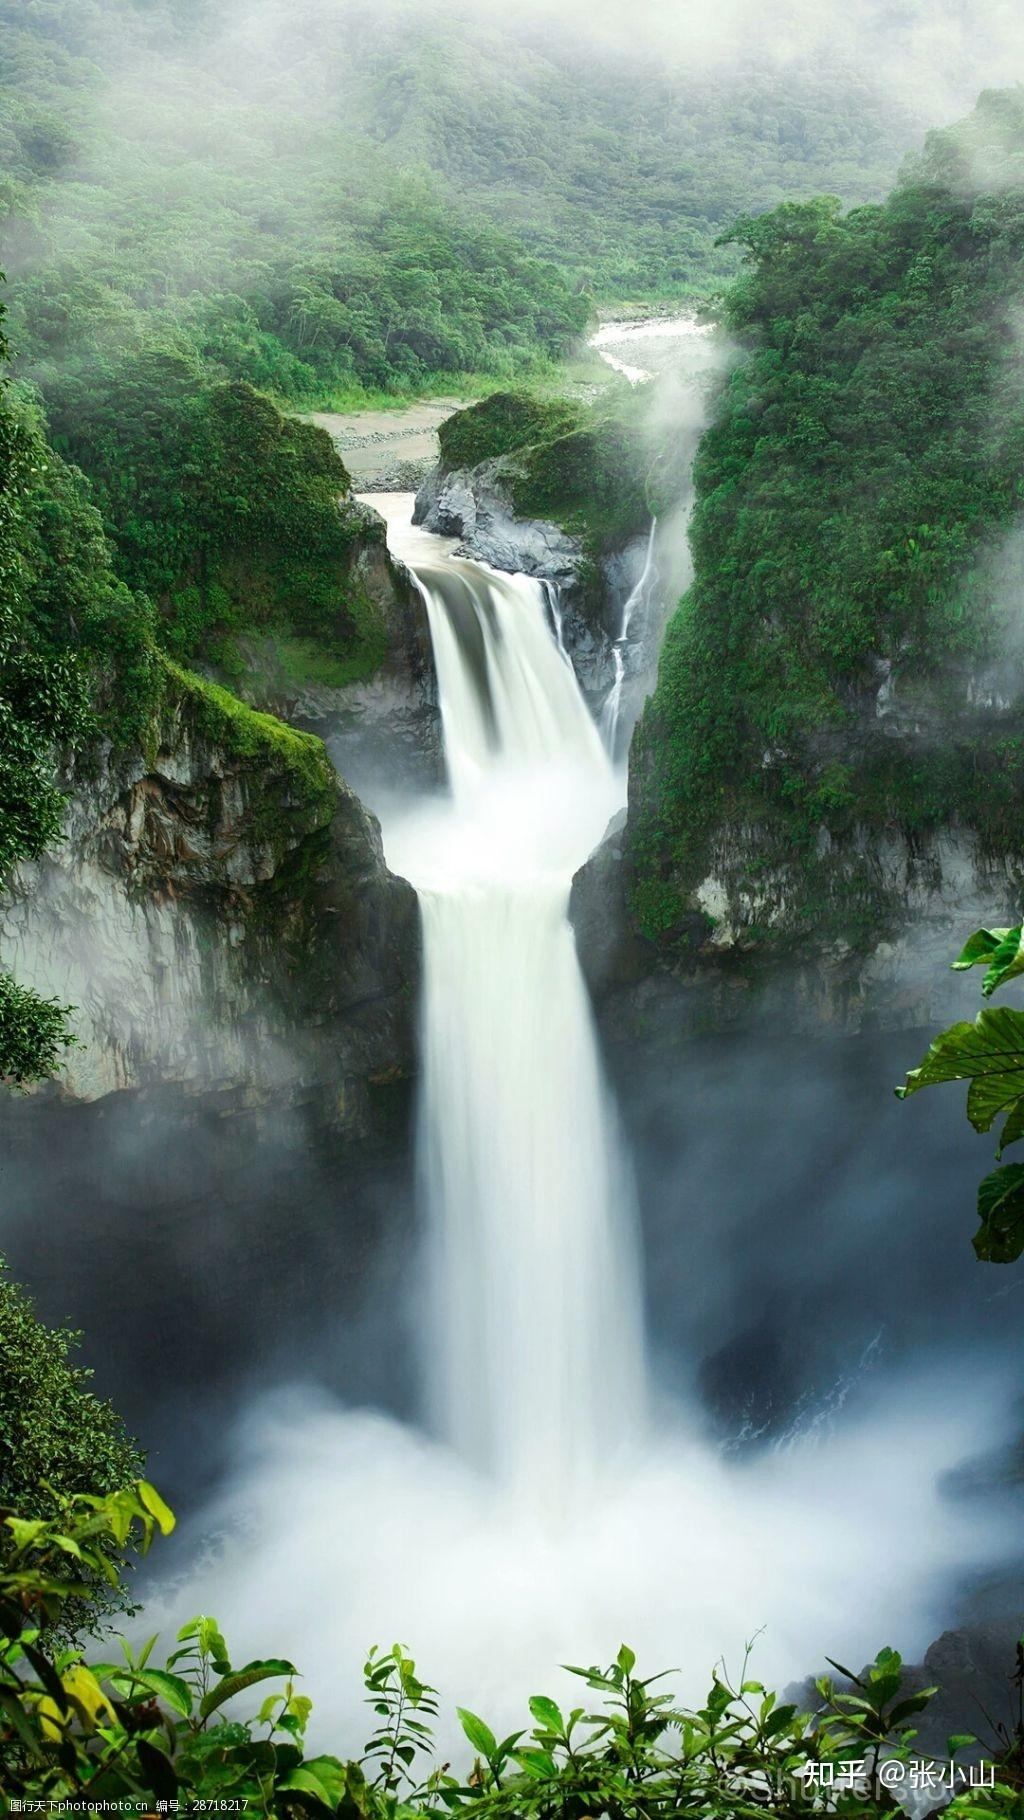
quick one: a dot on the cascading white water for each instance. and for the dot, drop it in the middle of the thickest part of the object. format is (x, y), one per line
(533, 1327)
(637, 595)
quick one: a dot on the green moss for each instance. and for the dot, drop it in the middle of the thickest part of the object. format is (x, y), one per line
(582, 468)
(305, 661)
(591, 480)
(273, 747)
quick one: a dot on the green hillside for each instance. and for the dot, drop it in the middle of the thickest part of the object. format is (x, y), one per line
(847, 657)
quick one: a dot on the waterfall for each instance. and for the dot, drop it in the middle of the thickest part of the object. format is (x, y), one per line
(519, 1536)
(534, 1352)
(613, 702)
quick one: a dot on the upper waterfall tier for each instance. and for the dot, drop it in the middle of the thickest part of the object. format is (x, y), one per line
(533, 1348)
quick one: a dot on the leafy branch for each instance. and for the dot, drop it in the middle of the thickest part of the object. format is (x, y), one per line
(989, 1053)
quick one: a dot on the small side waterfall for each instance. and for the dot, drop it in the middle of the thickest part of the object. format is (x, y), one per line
(637, 597)
(534, 1348)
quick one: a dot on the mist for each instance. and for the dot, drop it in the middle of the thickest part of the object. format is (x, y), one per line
(356, 1531)
(582, 1317)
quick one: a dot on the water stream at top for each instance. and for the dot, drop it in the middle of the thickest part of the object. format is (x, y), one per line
(533, 1354)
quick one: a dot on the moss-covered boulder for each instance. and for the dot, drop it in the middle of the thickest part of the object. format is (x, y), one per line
(555, 489)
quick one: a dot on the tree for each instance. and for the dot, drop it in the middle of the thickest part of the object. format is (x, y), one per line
(58, 1440)
(990, 1054)
(42, 706)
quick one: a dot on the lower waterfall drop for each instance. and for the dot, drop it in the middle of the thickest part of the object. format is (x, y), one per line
(533, 1332)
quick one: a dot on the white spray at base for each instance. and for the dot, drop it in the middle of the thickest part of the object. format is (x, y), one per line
(547, 1520)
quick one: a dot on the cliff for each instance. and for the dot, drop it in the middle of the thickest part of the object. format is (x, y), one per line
(220, 914)
(382, 727)
(825, 785)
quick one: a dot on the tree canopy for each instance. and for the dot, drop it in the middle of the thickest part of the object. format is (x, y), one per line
(845, 659)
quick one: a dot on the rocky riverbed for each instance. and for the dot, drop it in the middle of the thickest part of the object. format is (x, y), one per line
(388, 451)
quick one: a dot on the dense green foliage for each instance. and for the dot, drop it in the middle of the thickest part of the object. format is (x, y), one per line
(53, 571)
(42, 699)
(851, 495)
(224, 513)
(592, 480)
(990, 1054)
(584, 467)
(34, 1033)
(621, 160)
(231, 517)
(57, 1439)
(321, 209)
(162, 183)
(502, 424)
(360, 197)
(107, 1731)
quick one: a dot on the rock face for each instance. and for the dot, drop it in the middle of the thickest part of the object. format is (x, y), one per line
(757, 932)
(900, 979)
(383, 731)
(475, 505)
(220, 914)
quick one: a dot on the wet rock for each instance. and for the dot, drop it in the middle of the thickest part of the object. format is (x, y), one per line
(612, 955)
(475, 506)
(223, 921)
(722, 973)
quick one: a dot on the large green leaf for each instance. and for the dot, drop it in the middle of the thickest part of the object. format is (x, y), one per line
(480, 1735)
(546, 1713)
(322, 1777)
(171, 1689)
(989, 1053)
(1000, 1237)
(242, 1678)
(1001, 950)
(161, 1513)
(1007, 962)
(13, 1712)
(1013, 1130)
(979, 950)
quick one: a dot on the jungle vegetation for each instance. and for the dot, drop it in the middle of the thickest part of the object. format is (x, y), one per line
(183, 260)
(582, 465)
(58, 1440)
(841, 666)
(258, 533)
(367, 200)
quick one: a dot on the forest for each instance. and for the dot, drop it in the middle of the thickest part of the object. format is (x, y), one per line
(884, 369)
(216, 221)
